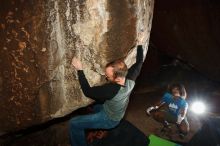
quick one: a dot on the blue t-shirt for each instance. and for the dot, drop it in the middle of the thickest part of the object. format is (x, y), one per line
(174, 104)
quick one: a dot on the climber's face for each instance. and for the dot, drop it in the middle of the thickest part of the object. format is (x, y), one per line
(109, 74)
(176, 92)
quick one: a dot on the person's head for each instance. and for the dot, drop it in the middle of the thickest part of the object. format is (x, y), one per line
(116, 70)
(178, 90)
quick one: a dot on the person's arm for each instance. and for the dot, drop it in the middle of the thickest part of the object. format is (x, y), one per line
(135, 69)
(100, 93)
(164, 100)
(151, 108)
(182, 114)
(183, 111)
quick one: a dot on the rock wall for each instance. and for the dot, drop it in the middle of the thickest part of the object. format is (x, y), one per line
(38, 40)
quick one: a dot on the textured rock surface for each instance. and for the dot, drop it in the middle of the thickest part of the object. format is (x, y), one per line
(189, 30)
(38, 40)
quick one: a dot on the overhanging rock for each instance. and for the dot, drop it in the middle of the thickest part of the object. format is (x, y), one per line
(38, 40)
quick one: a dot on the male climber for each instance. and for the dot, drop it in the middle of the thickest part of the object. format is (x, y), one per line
(115, 95)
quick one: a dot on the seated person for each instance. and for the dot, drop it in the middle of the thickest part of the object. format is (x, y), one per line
(175, 109)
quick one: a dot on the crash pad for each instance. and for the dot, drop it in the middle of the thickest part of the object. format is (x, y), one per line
(125, 134)
(158, 141)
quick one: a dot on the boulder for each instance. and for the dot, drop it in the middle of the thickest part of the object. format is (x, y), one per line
(38, 40)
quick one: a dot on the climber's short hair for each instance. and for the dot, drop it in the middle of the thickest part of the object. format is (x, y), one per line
(120, 69)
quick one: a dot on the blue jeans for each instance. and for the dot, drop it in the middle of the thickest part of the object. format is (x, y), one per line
(78, 124)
